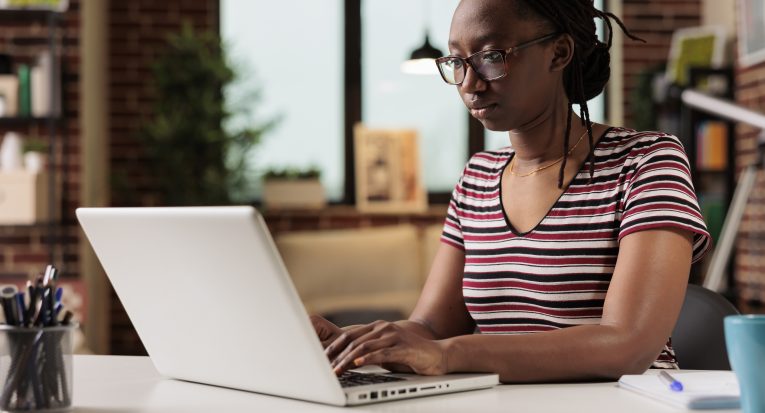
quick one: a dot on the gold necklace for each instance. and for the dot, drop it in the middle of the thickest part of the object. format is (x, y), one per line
(542, 168)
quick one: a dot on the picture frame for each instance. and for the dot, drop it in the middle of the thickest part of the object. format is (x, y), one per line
(695, 47)
(751, 32)
(388, 171)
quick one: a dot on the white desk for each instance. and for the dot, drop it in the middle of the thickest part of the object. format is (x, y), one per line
(115, 384)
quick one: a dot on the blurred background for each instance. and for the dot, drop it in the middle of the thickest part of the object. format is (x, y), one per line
(316, 113)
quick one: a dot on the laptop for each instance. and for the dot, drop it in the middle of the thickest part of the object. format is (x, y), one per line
(213, 303)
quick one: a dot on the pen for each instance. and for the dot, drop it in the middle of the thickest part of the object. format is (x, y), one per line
(673, 384)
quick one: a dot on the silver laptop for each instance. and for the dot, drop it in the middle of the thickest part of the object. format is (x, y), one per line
(213, 303)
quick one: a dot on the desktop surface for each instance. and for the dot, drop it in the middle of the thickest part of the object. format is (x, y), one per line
(132, 384)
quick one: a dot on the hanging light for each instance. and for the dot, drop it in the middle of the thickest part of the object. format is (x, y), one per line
(422, 59)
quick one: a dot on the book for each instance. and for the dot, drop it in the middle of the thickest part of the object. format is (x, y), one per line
(701, 389)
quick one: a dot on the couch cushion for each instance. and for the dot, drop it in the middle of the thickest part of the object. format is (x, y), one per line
(336, 270)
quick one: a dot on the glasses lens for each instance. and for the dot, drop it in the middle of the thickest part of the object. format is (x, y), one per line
(489, 64)
(452, 70)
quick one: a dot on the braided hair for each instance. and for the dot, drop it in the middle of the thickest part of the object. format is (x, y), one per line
(589, 70)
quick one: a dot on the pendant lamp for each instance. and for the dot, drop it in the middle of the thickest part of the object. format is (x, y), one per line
(422, 59)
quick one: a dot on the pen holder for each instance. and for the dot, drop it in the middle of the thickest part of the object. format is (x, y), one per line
(36, 368)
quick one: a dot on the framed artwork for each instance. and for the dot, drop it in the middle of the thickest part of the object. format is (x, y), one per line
(751, 32)
(388, 177)
(695, 46)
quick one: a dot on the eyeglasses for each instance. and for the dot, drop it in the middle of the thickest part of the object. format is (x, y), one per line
(488, 64)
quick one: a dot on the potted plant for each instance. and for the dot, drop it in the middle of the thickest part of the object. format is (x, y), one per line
(293, 189)
(195, 157)
(35, 155)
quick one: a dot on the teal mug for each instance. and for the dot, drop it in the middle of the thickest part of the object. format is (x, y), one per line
(745, 340)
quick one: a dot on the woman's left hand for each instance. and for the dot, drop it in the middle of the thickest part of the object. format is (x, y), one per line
(387, 344)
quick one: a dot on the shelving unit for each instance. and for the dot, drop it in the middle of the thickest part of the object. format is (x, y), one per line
(704, 137)
(54, 123)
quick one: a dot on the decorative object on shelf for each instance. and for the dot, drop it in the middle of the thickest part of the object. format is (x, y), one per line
(388, 177)
(293, 189)
(23, 198)
(25, 91)
(45, 87)
(37, 346)
(11, 152)
(751, 32)
(194, 157)
(35, 155)
(695, 46)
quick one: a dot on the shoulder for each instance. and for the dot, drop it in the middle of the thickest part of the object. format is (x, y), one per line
(639, 142)
(487, 165)
(491, 160)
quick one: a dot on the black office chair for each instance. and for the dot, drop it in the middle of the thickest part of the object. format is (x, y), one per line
(699, 337)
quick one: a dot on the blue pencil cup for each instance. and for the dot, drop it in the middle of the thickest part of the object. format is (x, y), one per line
(36, 368)
(745, 340)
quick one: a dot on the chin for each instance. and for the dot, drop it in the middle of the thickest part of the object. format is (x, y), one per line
(494, 126)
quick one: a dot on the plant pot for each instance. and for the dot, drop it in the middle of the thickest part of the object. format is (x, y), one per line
(34, 161)
(294, 194)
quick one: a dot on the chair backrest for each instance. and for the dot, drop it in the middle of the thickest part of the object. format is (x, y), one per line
(699, 337)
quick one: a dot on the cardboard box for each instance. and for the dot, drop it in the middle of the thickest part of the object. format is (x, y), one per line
(23, 198)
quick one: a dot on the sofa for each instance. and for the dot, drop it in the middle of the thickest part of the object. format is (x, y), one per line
(358, 275)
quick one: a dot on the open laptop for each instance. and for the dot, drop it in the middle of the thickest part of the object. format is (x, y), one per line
(213, 303)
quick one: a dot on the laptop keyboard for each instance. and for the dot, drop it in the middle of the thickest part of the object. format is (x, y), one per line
(351, 379)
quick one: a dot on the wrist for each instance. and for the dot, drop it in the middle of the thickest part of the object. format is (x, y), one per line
(448, 361)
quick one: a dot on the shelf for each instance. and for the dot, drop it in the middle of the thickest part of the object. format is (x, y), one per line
(23, 121)
(26, 15)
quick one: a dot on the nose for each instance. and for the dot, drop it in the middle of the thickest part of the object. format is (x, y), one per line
(472, 82)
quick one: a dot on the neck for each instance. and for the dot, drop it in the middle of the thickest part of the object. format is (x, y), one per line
(541, 140)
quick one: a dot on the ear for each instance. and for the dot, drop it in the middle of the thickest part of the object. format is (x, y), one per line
(563, 52)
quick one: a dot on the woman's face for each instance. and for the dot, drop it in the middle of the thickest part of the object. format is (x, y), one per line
(522, 96)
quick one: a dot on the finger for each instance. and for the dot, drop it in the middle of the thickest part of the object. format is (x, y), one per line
(353, 344)
(391, 355)
(339, 343)
(360, 352)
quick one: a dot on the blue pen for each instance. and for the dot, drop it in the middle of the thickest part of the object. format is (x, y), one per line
(673, 384)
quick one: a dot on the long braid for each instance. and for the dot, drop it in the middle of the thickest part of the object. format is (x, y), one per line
(566, 136)
(576, 18)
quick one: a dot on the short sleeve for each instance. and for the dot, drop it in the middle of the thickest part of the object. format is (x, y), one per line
(452, 233)
(660, 193)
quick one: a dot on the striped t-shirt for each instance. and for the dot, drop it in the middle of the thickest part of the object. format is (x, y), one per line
(557, 274)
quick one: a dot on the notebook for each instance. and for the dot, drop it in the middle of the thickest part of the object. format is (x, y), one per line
(701, 390)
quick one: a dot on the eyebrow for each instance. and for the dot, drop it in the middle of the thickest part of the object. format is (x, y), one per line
(481, 39)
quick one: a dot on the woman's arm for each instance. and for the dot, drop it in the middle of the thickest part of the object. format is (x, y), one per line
(640, 311)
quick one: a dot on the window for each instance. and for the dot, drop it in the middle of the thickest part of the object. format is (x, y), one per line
(393, 99)
(292, 51)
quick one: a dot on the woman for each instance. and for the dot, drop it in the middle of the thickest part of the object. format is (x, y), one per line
(570, 258)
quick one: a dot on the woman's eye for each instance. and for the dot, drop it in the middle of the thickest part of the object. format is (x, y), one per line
(456, 64)
(491, 57)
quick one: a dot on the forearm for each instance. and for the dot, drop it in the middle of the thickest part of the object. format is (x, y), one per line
(575, 353)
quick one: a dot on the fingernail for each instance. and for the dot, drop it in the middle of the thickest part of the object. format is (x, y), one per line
(359, 361)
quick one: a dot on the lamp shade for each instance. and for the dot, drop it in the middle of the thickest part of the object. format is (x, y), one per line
(422, 60)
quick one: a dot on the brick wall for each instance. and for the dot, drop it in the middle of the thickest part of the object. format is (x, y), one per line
(654, 21)
(750, 243)
(24, 249)
(137, 33)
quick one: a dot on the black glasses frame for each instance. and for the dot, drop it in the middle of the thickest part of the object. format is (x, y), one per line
(468, 61)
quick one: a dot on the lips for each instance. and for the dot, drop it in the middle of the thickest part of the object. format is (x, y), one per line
(482, 111)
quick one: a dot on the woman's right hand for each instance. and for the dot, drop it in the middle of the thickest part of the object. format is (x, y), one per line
(326, 330)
